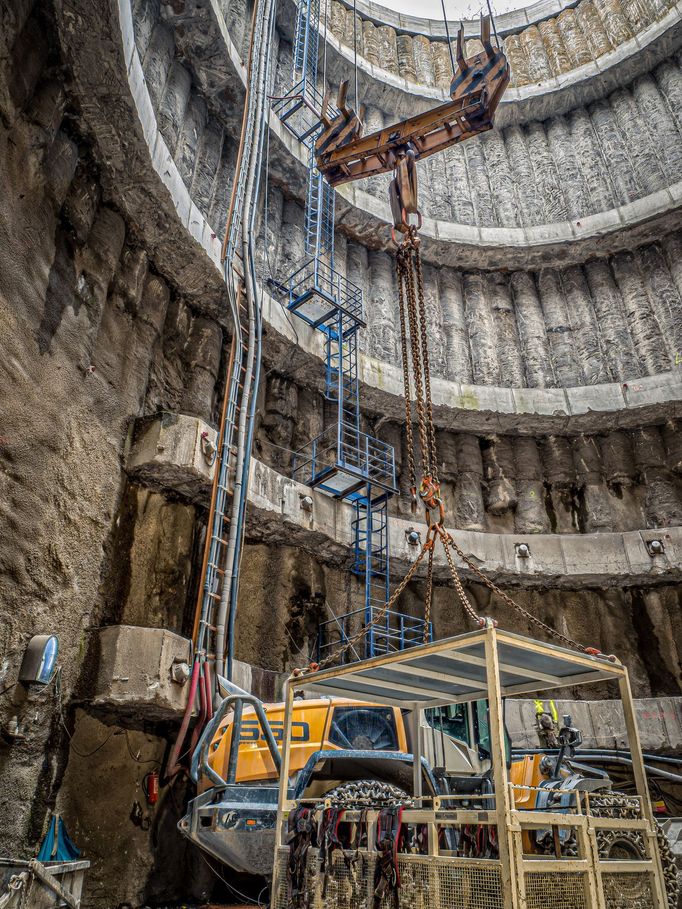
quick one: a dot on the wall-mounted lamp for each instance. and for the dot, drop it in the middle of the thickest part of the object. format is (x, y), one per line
(40, 660)
(523, 550)
(655, 547)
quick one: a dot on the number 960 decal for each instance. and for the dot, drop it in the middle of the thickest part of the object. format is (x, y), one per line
(252, 732)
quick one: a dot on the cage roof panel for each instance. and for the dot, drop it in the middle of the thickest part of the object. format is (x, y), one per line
(454, 670)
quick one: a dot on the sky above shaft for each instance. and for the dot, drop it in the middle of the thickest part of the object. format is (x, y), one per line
(455, 9)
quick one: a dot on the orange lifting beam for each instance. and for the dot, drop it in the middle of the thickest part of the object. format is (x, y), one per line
(343, 154)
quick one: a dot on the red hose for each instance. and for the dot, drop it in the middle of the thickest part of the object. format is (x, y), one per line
(209, 692)
(201, 722)
(173, 766)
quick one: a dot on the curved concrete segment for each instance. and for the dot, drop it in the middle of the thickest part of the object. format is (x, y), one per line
(186, 245)
(463, 407)
(505, 23)
(168, 455)
(548, 96)
(560, 560)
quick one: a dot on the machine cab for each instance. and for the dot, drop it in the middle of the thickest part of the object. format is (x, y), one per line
(456, 738)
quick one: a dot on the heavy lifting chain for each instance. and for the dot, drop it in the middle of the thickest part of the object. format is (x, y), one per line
(414, 333)
(411, 300)
(414, 320)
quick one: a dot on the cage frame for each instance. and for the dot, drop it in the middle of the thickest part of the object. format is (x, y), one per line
(496, 679)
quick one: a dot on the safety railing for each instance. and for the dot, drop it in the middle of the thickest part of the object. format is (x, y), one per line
(300, 109)
(356, 457)
(396, 631)
(317, 291)
(582, 850)
(449, 857)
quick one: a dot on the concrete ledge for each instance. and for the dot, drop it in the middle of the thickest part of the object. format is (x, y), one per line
(275, 514)
(174, 451)
(134, 678)
(567, 561)
(134, 683)
(137, 170)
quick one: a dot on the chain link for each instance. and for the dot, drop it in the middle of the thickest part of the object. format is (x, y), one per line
(413, 321)
(552, 632)
(428, 598)
(406, 269)
(459, 587)
(433, 461)
(406, 385)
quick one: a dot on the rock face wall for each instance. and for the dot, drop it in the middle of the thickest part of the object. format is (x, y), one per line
(92, 336)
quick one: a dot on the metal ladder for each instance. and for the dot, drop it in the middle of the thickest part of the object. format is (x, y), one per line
(214, 570)
(319, 215)
(238, 394)
(371, 561)
(341, 373)
(350, 465)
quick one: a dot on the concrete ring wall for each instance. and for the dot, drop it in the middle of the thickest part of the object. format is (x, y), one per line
(532, 311)
(486, 410)
(540, 47)
(508, 22)
(498, 402)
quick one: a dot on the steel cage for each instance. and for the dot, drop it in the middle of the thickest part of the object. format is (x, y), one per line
(491, 664)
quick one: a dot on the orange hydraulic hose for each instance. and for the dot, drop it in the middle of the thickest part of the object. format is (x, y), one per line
(242, 137)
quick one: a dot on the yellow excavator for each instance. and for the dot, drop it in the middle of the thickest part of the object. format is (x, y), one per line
(350, 753)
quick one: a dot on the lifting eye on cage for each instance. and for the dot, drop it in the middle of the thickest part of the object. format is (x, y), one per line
(523, 550)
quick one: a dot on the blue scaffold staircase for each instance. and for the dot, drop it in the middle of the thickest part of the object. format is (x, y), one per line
(342, 462)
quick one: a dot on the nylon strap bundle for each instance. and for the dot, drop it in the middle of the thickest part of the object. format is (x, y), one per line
(386, 877)
(301, 835)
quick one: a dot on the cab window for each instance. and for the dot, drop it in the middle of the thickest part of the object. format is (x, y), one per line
(482, 731)
(363, 728)
(453, 720)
